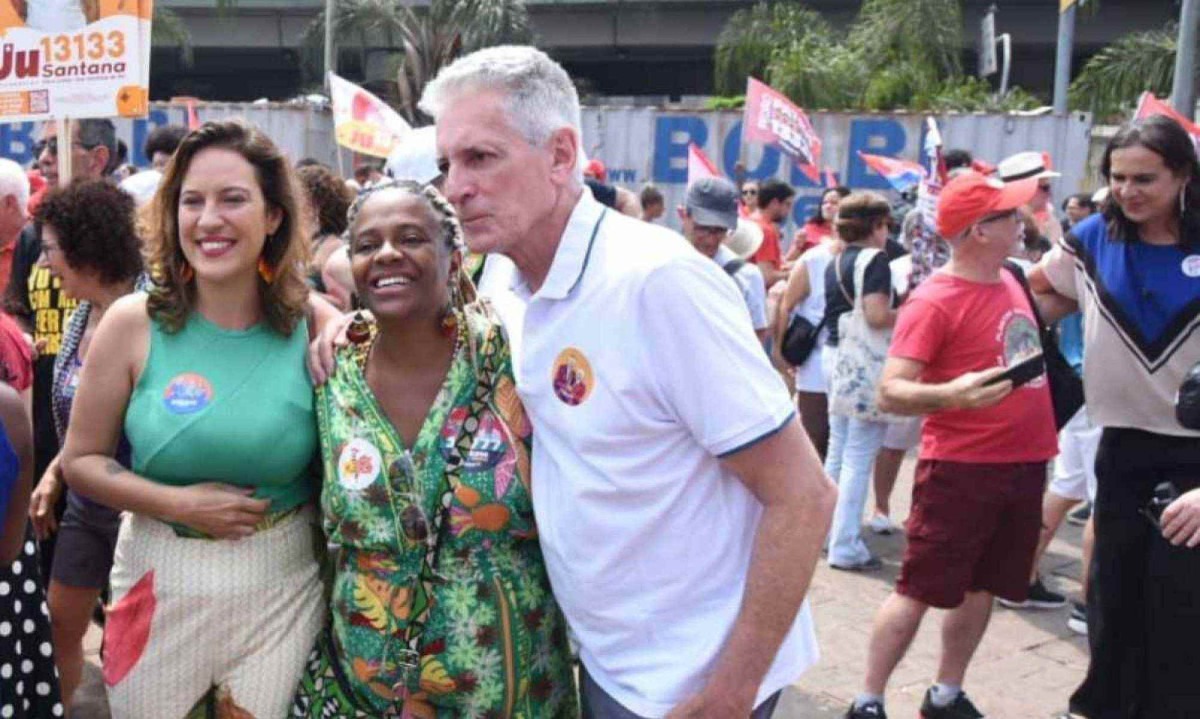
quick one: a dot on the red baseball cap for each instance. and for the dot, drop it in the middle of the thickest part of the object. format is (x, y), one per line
(596, 169)
(970, 197)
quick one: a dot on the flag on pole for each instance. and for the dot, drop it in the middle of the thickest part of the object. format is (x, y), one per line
(771, 119)
(699, 166)
(362, 122)
(934, 177)
(193, 119)
(831, 178)
(900, 174)
(1149, 105)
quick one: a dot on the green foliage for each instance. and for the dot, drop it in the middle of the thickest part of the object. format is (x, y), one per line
(1113, 78)
(168, 29)
(752, 36)
(734, 102)
(422, 39)
(898, 54)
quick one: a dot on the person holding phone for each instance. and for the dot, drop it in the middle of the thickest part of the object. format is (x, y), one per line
(965, 353)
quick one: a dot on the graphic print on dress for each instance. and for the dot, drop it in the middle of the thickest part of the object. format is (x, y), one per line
(1020, 340)
(187, 393)
(1153, 354)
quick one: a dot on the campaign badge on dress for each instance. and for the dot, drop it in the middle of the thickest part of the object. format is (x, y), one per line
(358, 464)
(187, 393)
(1191, 266)
(572, 377)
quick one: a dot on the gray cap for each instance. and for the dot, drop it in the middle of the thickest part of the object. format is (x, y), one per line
(712, 202)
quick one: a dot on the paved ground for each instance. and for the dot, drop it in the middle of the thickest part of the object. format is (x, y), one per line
(1026, 668)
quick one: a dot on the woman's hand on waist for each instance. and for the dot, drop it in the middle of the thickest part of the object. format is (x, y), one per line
(221, 511)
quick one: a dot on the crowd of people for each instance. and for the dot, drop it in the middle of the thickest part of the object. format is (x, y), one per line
(470, 435)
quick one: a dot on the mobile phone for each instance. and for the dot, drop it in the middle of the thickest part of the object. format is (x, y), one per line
(1022, 372)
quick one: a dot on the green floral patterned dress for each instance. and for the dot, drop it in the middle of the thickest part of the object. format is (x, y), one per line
(440, 603)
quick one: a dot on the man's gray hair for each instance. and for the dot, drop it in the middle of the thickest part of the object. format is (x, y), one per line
(13, 181)
(96, 132)
(540, 95)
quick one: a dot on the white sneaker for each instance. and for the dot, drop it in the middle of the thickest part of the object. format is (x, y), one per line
(881, 524)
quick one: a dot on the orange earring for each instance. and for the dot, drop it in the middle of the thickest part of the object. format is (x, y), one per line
(186, 273)
(265, 271)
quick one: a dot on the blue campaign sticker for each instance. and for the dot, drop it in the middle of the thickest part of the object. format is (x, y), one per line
(187, 393)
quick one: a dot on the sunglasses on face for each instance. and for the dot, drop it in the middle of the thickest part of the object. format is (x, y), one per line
(749, 193)
(51, 146)
(1044, 188)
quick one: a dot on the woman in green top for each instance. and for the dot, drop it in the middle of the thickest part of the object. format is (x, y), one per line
(206, 376)
(441, 606)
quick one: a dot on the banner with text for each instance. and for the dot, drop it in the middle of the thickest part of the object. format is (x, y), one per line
(74, 58)
(772, 119)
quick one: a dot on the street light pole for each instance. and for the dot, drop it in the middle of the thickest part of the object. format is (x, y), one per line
(1183, 89)
(330, 9)
(1062, 62)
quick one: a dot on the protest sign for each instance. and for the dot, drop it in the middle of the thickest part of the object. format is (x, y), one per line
(74, 58)
(772, 119)
(362, 122)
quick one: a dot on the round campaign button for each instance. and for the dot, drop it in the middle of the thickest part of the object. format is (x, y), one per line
(1191, 266)
(358, 464)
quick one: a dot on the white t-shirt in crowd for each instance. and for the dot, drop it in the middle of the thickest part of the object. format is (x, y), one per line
(639, 370)
(810, 376)
(749, 280)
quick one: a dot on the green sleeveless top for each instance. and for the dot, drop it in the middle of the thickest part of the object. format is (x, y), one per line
(440, 600)
(232, 406)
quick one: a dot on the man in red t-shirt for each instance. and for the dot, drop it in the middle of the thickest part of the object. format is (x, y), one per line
(976, 507)
(774, 205)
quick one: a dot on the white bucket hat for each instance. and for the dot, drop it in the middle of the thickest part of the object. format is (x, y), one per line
(746, 239)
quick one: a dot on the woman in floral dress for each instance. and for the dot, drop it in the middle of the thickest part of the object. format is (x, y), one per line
(440, 605)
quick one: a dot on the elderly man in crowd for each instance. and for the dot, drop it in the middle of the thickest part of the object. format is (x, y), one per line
(680, 507)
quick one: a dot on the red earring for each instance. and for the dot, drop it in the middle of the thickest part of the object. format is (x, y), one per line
(186, 273)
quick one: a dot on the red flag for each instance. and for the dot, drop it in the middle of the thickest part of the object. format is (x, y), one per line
(699, 166)
(193, 120)
(831, 178)
(1149, 105)
(771, 119)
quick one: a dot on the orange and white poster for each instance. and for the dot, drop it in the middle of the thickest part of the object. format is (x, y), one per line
(362, 122)
(74, 58)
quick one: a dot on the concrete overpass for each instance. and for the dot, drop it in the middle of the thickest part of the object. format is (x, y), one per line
(617, 47)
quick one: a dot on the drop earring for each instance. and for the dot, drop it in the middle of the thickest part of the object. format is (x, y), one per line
(265, 271)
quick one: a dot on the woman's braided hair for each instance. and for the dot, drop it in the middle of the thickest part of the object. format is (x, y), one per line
(462, 290)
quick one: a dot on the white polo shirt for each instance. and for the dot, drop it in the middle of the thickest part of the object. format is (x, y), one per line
(639, 369)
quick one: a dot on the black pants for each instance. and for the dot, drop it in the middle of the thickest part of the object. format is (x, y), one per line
(1144, 598)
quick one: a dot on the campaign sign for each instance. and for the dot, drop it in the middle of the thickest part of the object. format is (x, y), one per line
(362, 122)
(772, 119)
(74, 58)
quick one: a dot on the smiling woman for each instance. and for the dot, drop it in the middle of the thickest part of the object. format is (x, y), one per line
(206, 377)
(441, 605)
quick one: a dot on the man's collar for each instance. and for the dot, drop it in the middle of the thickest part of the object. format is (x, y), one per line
(574, 249)
(724, 255)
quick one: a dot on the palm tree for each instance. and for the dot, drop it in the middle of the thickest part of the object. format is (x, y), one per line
(897, 53)
(1114, 77)
(168, 29)
(424, 39)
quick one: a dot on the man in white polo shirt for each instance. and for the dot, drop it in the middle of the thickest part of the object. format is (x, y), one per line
(680, 506)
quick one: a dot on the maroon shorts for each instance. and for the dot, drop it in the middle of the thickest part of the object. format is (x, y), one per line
(973, 527)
